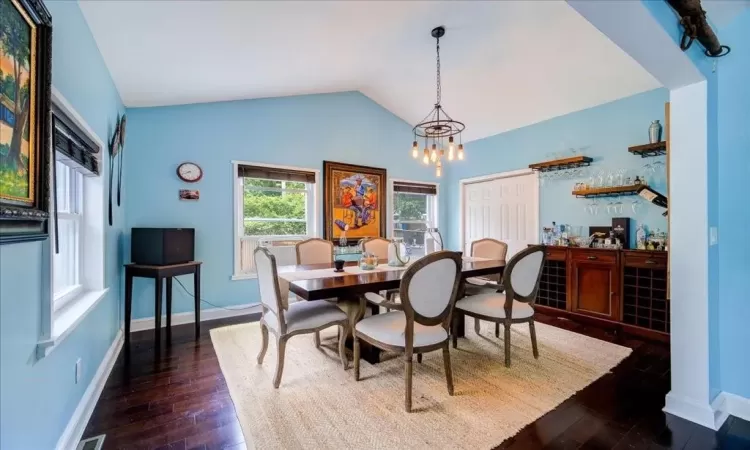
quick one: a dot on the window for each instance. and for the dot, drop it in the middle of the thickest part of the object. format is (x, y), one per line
(275, 206)
(76, 226)
(414, 211)
(66, 283)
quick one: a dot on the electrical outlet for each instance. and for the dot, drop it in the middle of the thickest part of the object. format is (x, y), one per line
(713, 238)
(79, 369)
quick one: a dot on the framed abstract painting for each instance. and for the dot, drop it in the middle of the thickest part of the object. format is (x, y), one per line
(354, 201)
(25, 77)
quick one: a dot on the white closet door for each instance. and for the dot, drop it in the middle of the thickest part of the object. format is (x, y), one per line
(505, 209)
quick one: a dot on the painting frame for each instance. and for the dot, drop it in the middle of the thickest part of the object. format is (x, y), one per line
(25, 218)
(329, 198)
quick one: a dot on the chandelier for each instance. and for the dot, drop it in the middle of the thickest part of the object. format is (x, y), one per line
(438, 128)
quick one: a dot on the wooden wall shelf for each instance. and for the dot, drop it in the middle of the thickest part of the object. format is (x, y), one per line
(648, 150)
(615, 191)
(562, 164)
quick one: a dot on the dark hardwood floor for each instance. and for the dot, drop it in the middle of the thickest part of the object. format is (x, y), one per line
(175, 397)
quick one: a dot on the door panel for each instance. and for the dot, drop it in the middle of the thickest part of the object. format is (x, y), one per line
(595, 286)
(505, 209)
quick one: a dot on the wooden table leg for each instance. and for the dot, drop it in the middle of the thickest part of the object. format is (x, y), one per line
(368, 352)
(157, 304)
(128, 303)
(460, 319)
(169, 306)
(197, 296)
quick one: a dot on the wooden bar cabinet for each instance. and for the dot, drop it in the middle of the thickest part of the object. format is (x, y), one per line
(621, 289)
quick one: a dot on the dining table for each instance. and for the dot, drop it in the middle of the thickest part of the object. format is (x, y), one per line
(321, 282)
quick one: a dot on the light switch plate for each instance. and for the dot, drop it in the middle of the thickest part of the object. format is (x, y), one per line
(713, 236)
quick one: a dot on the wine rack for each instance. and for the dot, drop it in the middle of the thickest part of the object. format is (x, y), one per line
(553, 285)
(645, 302)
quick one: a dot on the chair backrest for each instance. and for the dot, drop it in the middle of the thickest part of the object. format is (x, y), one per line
(314, 251)
(490, 249)
(268, 282)
(429, 288)
(522, 274)
(376, 246)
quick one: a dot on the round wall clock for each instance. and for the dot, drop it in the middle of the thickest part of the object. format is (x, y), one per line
(189, 172)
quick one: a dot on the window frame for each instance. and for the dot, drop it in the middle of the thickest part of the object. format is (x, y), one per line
(75, 204)
(58, 323)
(312, 211)
(392, 204)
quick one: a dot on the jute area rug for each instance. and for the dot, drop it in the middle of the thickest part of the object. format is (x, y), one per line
(320, 406)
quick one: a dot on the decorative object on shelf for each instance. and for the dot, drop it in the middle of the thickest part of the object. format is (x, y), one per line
(648, 150)
(614, 191)
(654, 197)
(637, 181)
(26, 36)
(190, 194)
(189, 172)
(397, 253)
(654, 132)
(342, 239)
(438, 128)
(640, 237)
(354, 201)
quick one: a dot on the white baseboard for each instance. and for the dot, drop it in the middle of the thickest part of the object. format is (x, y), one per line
(77, 423)
(688, 409)
(727, 404)
(147, 323)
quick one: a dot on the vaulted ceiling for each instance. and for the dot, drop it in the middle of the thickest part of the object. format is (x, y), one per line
(505, 64)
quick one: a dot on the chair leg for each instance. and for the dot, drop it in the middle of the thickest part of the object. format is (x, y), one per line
(454, 332)
(264, 334)
(356, 357)
(476, 325)
(281, 344)
(342, 346)
(497, 329)
(407, 378)
(532, 332)
(448, 371)
(317, 339)
(507, 343)
(419, 358)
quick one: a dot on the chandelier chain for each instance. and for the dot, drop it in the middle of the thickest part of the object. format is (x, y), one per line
(439, 93)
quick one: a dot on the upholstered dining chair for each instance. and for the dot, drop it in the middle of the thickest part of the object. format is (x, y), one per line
(314, 251)
(287, 320)
(377, 246)
(490, 249)
(514, 305)
(428, 293)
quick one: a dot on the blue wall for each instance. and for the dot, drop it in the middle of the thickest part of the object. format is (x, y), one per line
(734, 218)
(298, 131)
(607, 130)
(37, 398)
(727, 166)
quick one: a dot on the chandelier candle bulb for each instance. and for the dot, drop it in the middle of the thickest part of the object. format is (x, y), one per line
(415, 150)
(433, 155)
(426, 158)
(461, 151)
